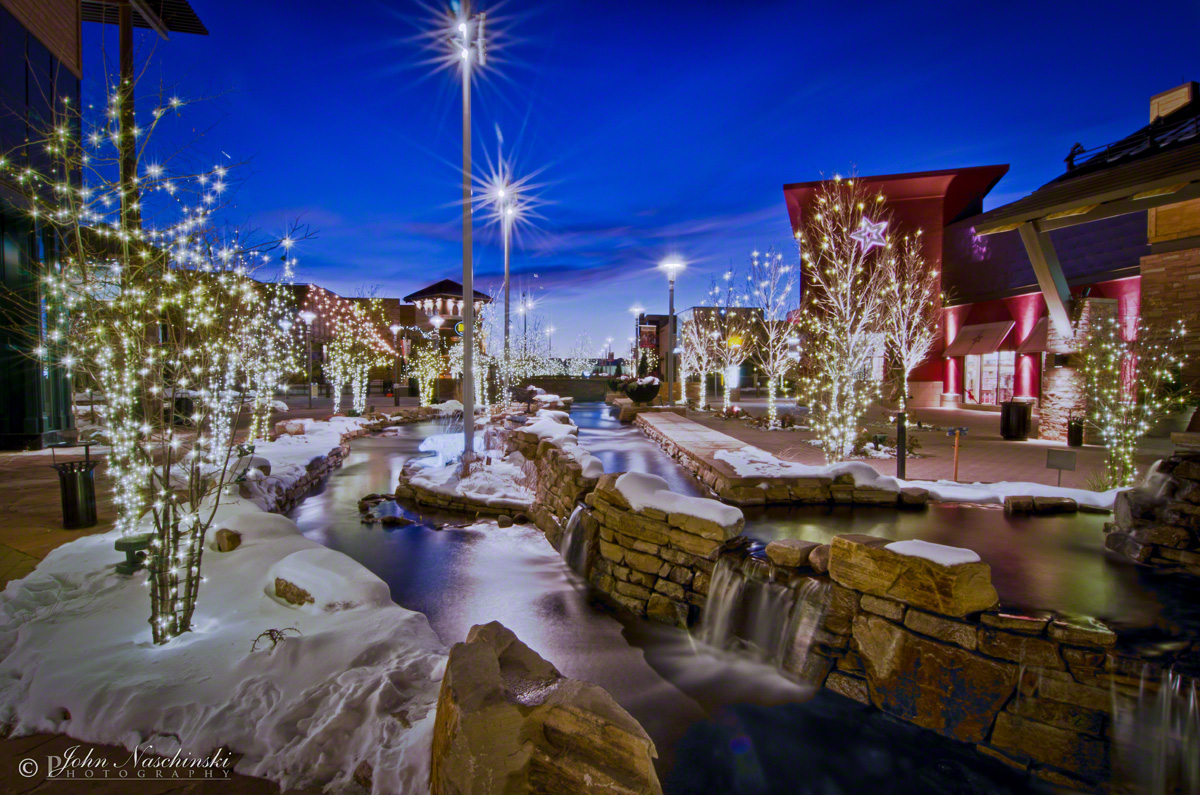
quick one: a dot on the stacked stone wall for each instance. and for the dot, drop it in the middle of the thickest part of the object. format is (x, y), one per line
(653, 563)
(749, 490)
(1158, 525)
(1064, 387)
(928, 644)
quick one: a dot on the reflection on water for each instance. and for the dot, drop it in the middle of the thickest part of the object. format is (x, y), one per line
(721, 723)
(1050, 562)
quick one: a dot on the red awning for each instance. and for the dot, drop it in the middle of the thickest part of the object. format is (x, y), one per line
(981, 338)
(1036, 341)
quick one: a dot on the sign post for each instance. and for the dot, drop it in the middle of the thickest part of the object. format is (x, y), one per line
(1060, 460)
(957, 434)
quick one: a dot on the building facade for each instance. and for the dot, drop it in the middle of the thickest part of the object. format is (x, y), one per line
(40, 70)
(1117, 232)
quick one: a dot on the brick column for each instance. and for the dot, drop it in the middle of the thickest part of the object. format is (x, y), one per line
(1064, 389)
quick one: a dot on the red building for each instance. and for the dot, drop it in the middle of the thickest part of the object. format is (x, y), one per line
(1022, 282)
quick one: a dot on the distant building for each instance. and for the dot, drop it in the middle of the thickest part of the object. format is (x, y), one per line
(440, 306)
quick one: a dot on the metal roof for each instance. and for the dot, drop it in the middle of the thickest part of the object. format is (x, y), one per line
(176, 15)
(1158, 164)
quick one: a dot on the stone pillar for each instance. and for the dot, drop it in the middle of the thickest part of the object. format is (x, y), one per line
(1064, 387)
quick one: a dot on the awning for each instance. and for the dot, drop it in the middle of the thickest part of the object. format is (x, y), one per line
(981, 338)
(1036, 341)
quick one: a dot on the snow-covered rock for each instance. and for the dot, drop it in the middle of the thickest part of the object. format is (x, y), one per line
(642, 490)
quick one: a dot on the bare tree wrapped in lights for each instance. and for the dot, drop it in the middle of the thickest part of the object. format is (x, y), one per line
(699, 335)
(426, 363)
(844, 254)
(357, 343)
(911, 321)
(268, 348)
(772, 284)
(579, 361)
(151, 316)
(1133, 377)
(731, 319)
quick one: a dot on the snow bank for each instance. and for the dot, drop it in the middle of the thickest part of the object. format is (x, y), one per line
(548, 428)
(753, 462)
(544, 398)
(497, 482)
(642, 490)
(358, 684)
(291, 455)
(449, 407)
(938, 553)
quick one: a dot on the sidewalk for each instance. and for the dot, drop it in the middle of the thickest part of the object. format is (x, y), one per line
(984, 456)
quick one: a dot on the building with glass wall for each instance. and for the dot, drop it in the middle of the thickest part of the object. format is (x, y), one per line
(40, 70)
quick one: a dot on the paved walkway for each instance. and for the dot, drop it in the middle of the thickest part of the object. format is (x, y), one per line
(984, 456)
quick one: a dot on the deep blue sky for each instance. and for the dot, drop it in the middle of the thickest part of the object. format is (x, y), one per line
(661, 128)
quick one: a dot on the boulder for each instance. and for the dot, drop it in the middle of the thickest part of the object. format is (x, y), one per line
(228, 540)
(792, 552)
(1054, 505)
(950, 590)
(1016, 504)
(914, 497)
(945, 688)
(291, 593)
(508, 721)
(504, 520)
(819, 558)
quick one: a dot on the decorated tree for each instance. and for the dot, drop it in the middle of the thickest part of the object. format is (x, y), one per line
(357, 343)
(147, 297)
(579, 360)
(1133, 378)
(733, 322)
(772, 285)
(911, 323)
(698, 334)
(426, 363)
(844, 251)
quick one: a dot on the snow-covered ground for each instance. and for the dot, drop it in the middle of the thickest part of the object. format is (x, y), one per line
(502, 482)
(753, 462)
(357, 683)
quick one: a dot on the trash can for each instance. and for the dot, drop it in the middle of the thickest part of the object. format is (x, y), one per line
(77, 483)
(1075, 433)
(185, 407)
(1015, 419)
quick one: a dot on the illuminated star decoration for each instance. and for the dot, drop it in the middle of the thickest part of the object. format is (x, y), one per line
(869, 235)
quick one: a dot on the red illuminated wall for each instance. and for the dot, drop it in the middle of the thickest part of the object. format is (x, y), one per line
(928, 201)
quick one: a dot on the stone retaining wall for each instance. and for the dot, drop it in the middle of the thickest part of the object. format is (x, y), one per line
(928, 644)
(1159, 525)
(737, 489)
(561, 484)
(653, 563)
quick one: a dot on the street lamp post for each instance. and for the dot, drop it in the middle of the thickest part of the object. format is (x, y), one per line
(672, 267)
(395, 329)
(308, 317)
(506, 219)
(471, 38)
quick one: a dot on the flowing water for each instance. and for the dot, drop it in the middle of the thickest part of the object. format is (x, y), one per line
(752, 610)
(574, 544)
(723, 717)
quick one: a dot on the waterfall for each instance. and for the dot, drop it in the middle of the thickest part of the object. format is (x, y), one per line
(1159, 736)
(753, 611)
(574, 543)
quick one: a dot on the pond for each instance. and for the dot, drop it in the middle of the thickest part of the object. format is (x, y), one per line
(721, 723)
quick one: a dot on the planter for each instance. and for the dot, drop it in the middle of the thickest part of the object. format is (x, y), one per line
(642, 393)
(1174, 422)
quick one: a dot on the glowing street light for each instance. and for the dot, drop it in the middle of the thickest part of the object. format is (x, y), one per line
(470, 38)
(672, 267)
(395, 329)
(308, 317)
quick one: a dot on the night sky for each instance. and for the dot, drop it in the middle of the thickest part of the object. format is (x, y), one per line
(657, 128)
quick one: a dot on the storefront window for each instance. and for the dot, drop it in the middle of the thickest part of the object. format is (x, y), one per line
(989, 378)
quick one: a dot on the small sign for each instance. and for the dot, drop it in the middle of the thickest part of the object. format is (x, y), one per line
(956, 431)
(459, 328)
(1060, 460)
